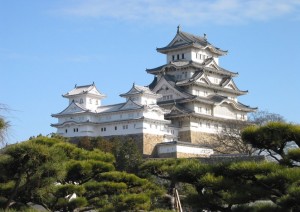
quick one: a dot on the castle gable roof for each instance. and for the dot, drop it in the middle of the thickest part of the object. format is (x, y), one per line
(137, 90)
(185, 40)
(236, 105)
(73, 108)
(178, 110)
(229, 83)
(167, 83)
(84, 89)
(129, 105)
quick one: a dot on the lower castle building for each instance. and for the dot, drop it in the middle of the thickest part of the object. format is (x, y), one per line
(190, 99)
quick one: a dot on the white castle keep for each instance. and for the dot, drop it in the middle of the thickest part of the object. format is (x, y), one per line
(190, 100)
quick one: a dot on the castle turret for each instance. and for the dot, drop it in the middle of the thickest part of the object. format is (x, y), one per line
(87, 96)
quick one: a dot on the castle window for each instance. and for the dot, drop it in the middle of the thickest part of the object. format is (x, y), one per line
(178, 57)
(199, 109)
(208, 125)
(173, 57)
(125, 127)
(90, 101)
(97, 102)
(81, 101)
(66, 130)
(116, 127)
(182, 56)
(200, 124)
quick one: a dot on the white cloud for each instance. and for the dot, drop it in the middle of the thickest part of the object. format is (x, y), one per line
(184, 11)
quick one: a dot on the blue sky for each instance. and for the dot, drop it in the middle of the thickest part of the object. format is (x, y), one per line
(46, 47)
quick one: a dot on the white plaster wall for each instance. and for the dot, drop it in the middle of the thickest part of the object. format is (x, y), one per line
(184, 149)
(153, 115)
(215, 79)
(225, 111)
(95, 102)
(194, 150)
(187, 55)
(205, 126)
(198, 91)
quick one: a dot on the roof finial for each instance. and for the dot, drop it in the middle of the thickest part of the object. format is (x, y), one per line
(133, 84)
(93, 83)
(178, 28)
(205, 36)
(75, 85)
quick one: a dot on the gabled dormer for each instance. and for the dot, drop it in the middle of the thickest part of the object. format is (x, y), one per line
(87, 96)
(185, 46)
(141, 95)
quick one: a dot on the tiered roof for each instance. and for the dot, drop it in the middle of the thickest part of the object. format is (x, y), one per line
(187, 40)
(138, 90)
(192, 64)
(201, 71)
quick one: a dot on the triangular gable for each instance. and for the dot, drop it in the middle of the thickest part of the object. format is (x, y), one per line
(132, 91)
(178, 40)
(212, 64)
(227, 103)
(204, 79)
(157, 109)
(129, 105)
(72, 109)
(94, 91)
(176, 110)
(230, 85)
(163, 84)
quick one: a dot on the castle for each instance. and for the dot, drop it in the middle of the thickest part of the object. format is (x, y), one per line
(190, 99)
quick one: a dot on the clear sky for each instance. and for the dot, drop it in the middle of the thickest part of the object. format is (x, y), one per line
(46, 47)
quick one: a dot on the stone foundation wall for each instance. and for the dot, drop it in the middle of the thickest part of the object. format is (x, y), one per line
(146, 143)
(185, 136)
(201, 138)
(150, 142)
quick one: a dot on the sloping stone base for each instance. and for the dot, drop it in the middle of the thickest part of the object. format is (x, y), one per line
(146, 143)
(201, 138)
